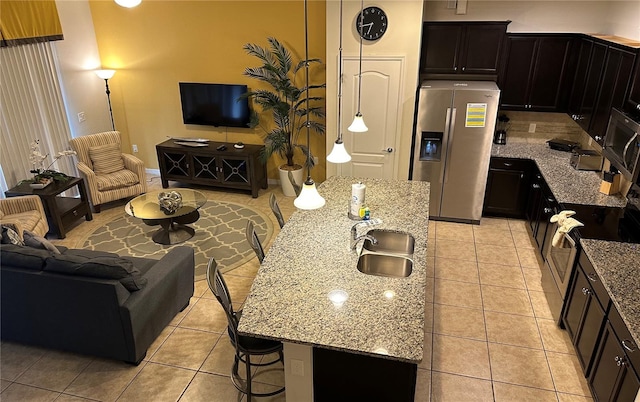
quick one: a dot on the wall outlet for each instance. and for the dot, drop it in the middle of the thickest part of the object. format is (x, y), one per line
(81, 117)
(135, 148)
(532, 127)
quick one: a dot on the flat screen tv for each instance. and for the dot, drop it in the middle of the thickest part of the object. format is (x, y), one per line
(214, 104)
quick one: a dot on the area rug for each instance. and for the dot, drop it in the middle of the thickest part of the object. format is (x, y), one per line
(220, 233)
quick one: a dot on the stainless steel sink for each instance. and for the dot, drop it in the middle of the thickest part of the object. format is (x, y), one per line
(392, 266)
(390, 242)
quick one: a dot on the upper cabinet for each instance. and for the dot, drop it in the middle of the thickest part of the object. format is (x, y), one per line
(452, 49)
(602, 80)
(535, 72)
(634, 92)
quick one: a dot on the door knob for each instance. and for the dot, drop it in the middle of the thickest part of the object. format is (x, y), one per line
(388, 150)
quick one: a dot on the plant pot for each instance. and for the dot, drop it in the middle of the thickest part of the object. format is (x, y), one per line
(287, 188)
(41, 184)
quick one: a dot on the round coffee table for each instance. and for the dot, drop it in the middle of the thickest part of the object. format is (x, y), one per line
(173, 226)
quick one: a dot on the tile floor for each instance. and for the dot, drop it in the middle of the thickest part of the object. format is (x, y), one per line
(489, 336)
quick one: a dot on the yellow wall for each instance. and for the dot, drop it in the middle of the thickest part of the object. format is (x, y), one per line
(160, 43)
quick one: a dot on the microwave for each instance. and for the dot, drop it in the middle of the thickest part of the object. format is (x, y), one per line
(622, 144)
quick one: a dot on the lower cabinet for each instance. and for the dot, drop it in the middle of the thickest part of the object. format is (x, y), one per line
(609, 357)
(507, 187)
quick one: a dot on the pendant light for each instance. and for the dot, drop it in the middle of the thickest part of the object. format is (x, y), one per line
(309, 197)
(128, 3)
(358, 126)
(339, 153)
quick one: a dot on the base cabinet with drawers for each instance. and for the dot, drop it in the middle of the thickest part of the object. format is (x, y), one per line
(609, 357)
(209, 166)
(507, 187)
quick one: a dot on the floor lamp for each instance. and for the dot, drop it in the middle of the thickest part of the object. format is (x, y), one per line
(339, 153)
(309, 197)
(106, 75)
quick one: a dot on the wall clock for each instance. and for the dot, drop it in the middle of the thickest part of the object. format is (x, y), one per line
(372, 23)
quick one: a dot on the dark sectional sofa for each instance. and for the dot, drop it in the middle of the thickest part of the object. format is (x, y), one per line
(91, 302)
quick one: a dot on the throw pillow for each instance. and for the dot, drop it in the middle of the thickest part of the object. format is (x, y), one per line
(16, 256)
(35, 241)
(106, 158)
(98, 267)
(10, 236)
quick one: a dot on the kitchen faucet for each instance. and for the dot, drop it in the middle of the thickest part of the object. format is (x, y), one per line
(355, 238)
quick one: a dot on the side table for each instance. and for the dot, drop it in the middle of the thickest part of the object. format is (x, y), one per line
(61, 211)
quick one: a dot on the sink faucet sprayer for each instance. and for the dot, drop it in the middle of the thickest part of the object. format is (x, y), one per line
(354, 235)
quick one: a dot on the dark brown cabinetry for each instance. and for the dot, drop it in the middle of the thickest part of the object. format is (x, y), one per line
(634, 91)
(541, 205)
(614, 375)
(536, 71)
(209, 166)
(451, 48)
(585, 311)
(507, 187)
(605, 348)
(602, 81)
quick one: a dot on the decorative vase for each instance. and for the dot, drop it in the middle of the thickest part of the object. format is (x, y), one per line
(287, 187)
(169, 202)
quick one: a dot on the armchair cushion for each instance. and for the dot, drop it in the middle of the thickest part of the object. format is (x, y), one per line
(98, 267)
(106, 158)
(115, 180)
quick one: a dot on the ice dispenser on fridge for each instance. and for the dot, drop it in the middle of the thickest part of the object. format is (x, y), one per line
(430, 146)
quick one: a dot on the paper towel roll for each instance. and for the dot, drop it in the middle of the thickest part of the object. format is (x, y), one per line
(357, 198)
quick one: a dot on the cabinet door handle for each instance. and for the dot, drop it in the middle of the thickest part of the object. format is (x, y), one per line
(629, 345)
(521, 175)
(592, 277)
(548, 210)
(463, 68)
(586, 291)
(455, 68)
(619, 361)
(536, 186)
(508, 164)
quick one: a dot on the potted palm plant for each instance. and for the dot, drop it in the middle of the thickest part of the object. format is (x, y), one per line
(285, 103)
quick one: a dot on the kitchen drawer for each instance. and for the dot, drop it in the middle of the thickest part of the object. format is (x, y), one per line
(596, 284)
(510, 164)
(622, 332)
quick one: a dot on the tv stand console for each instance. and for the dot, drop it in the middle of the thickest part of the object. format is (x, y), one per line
(209, 166)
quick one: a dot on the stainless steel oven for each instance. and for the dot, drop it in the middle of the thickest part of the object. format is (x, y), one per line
(622, 144)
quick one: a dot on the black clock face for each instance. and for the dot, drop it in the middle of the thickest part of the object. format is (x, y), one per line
(372, 23)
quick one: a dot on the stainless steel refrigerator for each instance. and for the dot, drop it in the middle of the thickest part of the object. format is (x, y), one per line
(455, 123)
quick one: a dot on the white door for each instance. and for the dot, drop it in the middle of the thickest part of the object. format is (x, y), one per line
(373, 153)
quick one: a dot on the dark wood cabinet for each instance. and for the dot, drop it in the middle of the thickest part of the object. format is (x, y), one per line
(507, 187)
(602, 80)
(584, 314)
(533, 200)
(453, 48)
(634, 90)
(536, 72)
(613, 89)
(210, 166)
(613, 376)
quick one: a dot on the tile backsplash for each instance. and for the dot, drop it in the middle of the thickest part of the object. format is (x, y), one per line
(547, 126)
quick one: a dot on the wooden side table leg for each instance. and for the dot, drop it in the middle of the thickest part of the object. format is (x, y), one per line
(55, 216)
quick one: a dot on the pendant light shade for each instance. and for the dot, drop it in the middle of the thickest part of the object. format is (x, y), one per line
(339, 153)
(128, 3)
(309, 197)
(358, 126)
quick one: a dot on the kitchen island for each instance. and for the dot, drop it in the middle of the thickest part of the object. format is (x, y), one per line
(382, 318)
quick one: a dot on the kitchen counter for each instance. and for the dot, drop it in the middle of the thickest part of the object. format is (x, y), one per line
(567, 184)
(382, 317)
(617, 265)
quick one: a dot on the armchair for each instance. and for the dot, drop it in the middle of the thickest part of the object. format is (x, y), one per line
(109, 174)
(24, 213)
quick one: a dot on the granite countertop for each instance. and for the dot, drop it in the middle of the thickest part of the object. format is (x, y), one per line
(567, 184)
(382, 317)
(617, 265)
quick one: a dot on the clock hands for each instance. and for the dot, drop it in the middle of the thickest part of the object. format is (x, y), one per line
(370, 25)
